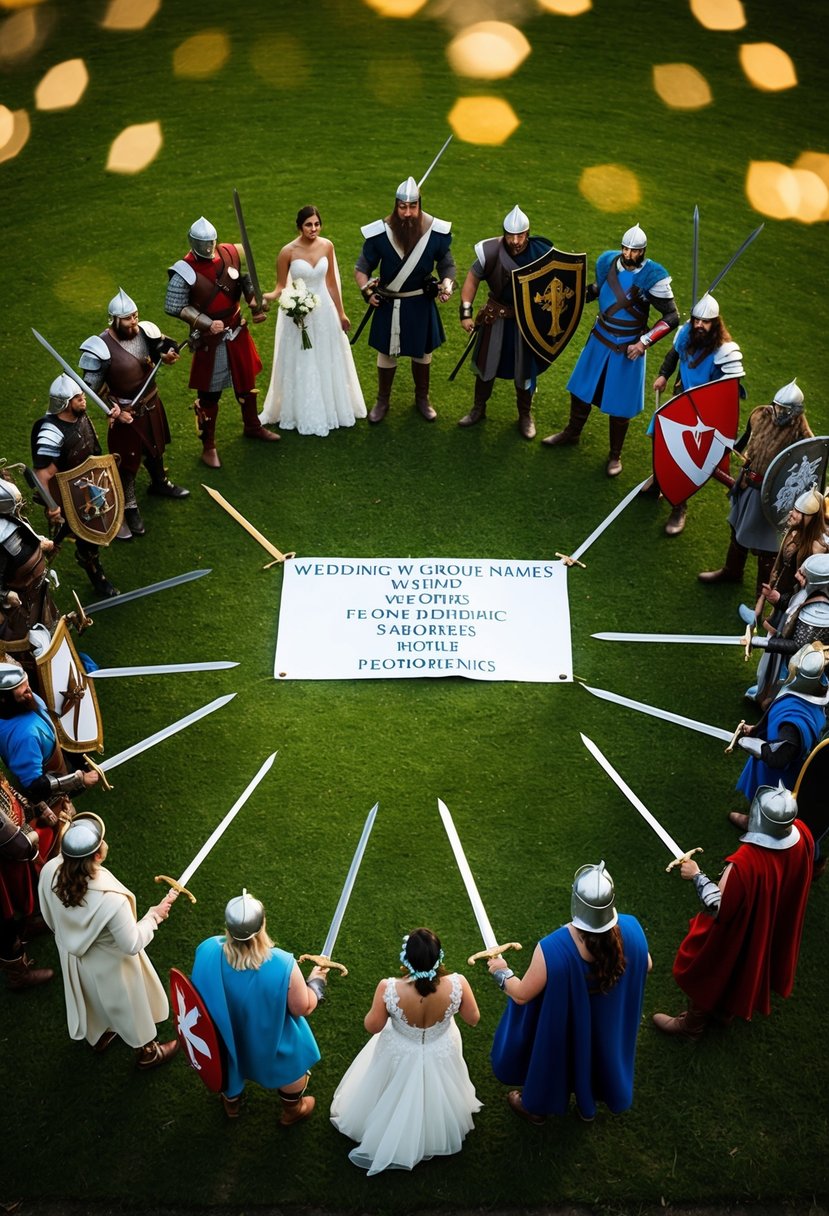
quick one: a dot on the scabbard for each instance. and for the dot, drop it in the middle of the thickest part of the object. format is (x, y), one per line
(362, 324)
(467, 351)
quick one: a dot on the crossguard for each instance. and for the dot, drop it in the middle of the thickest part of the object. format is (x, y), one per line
(277, 561)
(98, 770)
(492, 952)
(321, 961)
(80, 619)
(677, 861)
(571, 561)
(740, 729)
(171, 882)
(746, 641)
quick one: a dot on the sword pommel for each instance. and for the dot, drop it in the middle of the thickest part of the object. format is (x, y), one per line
(97, 768)
(677, 861)
(176, 886)
(320, 960)
(740, 730)
(493, 952)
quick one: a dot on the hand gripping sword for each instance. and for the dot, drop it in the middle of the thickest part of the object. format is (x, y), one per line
(180, 884)
(485, 928)
(324, 959)
(71, 373)
(679, 855)
(249, 528)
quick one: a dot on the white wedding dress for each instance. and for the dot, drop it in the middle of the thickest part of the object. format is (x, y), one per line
(313, 391)
(407, 1096)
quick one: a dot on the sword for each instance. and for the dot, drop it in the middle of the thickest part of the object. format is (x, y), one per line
(596, 533)
(484, 927)
(161, 669)
(32, 481)
(73, 375)
(251, 265)
(165, 733)
(466, 351)
(752, 236)
(434, 162)
(180, 884)
(684, 639)
(150, 589)
(716, 732)
(324, 959)
(249, 528)
(695, 261)
(679, 855)
(179, 346)
(364, 321)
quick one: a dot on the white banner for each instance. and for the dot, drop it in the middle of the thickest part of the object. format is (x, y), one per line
(392, 618)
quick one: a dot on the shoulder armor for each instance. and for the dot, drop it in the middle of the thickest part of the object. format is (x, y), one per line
(8, 527)
(150, 330)
(184, 270)
(49, 436)
(375, 228)
(815, 614)
(481, 250)
(94, 354)
(441, 225)
(729, 359)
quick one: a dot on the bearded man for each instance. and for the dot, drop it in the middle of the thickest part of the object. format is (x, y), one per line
(407, 246)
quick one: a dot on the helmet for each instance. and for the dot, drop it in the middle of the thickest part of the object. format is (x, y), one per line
(806, 668)
(811, 502)
(816, 571)
(771, 818)
(61, 392)
(706, 308)
(12, 676)
(788, 403)
(593, 904)
(84, 836)
(244, 917)
(10, 497)
(408, 191)
(203, 237)
(122, 305)
(634, 238)
(516, 222)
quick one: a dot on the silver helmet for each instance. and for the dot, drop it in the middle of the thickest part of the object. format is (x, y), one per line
(816, 571)
(634, 238)
(244, 917)
(771, 818)
(12, 676)
(810, 502)
(806, 671)
(61, 392)
(203, 237)
(121, 305)
(10, 497)
(516, 222)
(706, 308)
(593, 903)
(84, 836)
(787, 403)
(408, 191)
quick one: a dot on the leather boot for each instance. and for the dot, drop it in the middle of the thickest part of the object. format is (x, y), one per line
(483, 392)
(732, 570)
(295, 1107)
(206, 416)
(134, 522)
(524, 401)
(22, 973)
(579, 413)
(153, 1055)
(385, 379)
(232, 1106)
(96, 576)
(128, 485)
(676, 519)
(618, 428)
(689, 1025)
(252, 427)
(160, 483)
(420, 375)
(765, 562)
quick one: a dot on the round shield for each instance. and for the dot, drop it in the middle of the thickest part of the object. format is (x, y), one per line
(811, 790)
(792, 472)
(198, 1038)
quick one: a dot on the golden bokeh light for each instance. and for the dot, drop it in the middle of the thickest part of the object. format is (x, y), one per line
(135, 148)
(280, 62)
(767, 66)
(129, 14)
(566, 8)
(681, 86)
(610, 187)
(202, 55)
(489, 50)
(23, 34)
(396, 8)
(814, 196)
(719, 14)
(63, 86)
(817, 163)
(16, 132)
(772, 189)
(483, 120)
(10, 4)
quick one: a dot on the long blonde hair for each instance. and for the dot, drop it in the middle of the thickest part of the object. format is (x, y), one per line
(249, 955)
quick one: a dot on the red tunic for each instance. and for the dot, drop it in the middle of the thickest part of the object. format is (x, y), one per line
(217, 292)
(18, 879)
(731, 964)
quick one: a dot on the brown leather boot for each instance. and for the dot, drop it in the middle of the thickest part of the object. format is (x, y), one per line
(420, 375)
(524, 401)
(22, 973)
(689, 1025)
(295, 1107)
(232, 1106)
(206, 416)
(483, 392)
(732, 570)
(676, 519)
(385, 379)
(153, 1055)
(579, 413)
(618, 428)
(252, 427)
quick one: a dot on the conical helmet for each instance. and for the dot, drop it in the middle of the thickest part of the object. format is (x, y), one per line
(788, 403)
(771, 818)
(516, 222)
(61, 392)
(706, 309)
(203, 237)
(121, 305)
(244, 916)
(10, 497)
(810, 502)
(593, 902)
(634, 238)
(408, 191)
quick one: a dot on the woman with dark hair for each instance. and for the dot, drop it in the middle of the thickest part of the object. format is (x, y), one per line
(314, 386)
(572, 1020)
(407, 1096)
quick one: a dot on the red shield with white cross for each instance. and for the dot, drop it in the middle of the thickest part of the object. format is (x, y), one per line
(693, 434)
(198, 1038)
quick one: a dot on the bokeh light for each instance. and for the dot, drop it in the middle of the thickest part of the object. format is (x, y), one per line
(280, 62)
(610, 187)
(566, 8)
(767, 66)
(135, 148)
(17, 128)
(817, 163)
(396, 8)
(814, 196)
(772, 189)
(6, 125)
(483, 120)
(202, 55)
(489, 50)
(129, 14)
(719, 14)
(63, 86)
(681, 86)
(24, 33)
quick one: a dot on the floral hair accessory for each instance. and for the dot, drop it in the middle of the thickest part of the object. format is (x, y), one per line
(419, 975)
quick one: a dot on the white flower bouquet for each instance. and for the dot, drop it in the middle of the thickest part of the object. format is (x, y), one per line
(296, 302)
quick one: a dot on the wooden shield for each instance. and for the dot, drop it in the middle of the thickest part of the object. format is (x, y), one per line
(549, 299)
(197, 1036)
(92, 499)
(792, 472)
(693, 433)
(69, 695)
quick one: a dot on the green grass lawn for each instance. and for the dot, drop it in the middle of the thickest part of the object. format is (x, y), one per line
(333, 105)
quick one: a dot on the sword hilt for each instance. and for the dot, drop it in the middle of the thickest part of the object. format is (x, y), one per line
(740, 729)
(746, 642)
(79, 619)
(492, 952)
(320, 960)
(176, 886)
(570, 561)
(677, 861)
(277, 561)
(97, 768)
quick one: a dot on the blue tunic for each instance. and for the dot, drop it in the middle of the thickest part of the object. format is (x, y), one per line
(603, 375)
(568, 1040)
(265, 1043)
(810, 721)
(27, 741)
(421, 329)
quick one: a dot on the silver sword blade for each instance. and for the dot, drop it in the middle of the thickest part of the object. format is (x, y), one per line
(665, 715)
(752, 236)
(684, 639)
(225, 823)
(243, 233)
(150, 589)
(608, 520)
(71, 373)
(159, 669)
(484, 927)
(350, 878)
(434, 162)
(695, 257)
(165, 733)
(666, 838)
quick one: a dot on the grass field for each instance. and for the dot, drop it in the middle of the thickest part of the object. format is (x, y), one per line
(333, 104)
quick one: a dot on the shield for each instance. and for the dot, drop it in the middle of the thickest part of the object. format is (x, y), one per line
(811, 788)
(792, 472)
(693, 434)
(197, 1036)
(549, 299)
(69, 696)
(92, 499)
